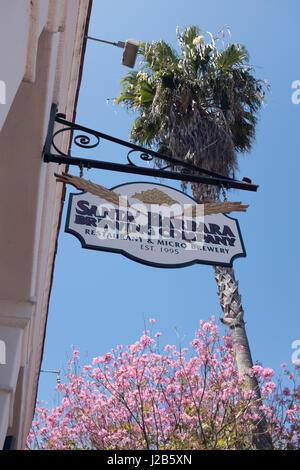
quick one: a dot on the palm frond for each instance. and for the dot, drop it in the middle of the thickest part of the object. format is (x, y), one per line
(200, 106)
(233, 55)
(158, 55)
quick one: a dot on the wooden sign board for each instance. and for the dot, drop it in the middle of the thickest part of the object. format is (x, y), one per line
(155, 225)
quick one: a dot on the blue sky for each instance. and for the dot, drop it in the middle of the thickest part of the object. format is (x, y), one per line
(100, 300)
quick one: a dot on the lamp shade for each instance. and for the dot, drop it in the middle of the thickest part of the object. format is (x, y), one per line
(130, 52)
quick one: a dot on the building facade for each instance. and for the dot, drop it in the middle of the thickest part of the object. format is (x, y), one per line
(42, 45)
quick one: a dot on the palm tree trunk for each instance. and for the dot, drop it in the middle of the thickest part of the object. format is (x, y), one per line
(231, 304)
(230, 301)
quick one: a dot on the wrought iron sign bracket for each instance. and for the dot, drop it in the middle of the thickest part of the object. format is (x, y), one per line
(186, 171)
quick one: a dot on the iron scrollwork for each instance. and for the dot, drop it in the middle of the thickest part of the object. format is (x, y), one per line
(145, 157)
(89, 139)
(81, 140)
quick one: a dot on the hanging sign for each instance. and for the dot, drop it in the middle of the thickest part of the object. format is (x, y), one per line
(154, 224)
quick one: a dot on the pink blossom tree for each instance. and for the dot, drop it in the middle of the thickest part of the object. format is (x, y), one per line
(139, 397)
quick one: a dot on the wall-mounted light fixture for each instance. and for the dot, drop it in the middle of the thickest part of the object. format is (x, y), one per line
(57, 372)
(131, 47)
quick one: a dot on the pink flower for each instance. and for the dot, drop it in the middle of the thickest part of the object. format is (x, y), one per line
(290, 414)
(106, 359)
(256, 371)
(249, 394)
(152, 320)
(267, 373)
(145, 340)
(102, 409)
(168, 347)
(268, 388)
(97, 360)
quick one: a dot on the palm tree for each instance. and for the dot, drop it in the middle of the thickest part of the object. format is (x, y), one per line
(200, 106)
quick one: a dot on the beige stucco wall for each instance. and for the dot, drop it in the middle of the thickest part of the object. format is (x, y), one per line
(41, 45)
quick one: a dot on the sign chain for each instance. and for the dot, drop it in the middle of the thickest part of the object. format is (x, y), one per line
(224, 194)
(81, 170)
